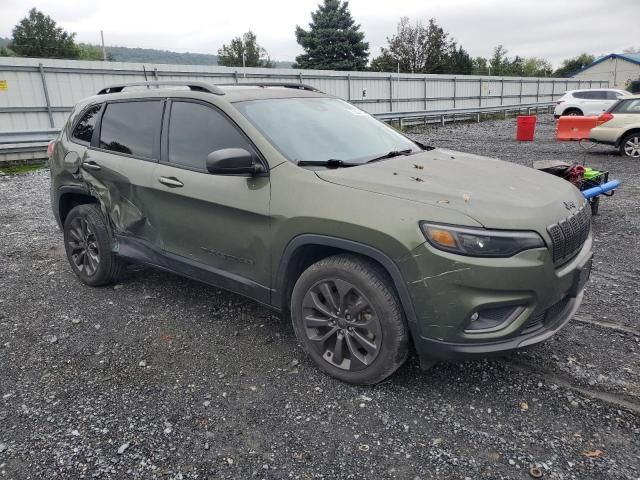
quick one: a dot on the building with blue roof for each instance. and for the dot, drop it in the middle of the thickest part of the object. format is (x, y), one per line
(618, 69)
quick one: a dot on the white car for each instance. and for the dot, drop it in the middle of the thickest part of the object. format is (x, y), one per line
(587, 102)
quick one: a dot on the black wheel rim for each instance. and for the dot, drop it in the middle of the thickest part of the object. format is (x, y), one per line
(341, 324)
(83, 246)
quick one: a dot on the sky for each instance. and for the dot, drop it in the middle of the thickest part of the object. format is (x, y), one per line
(552, 29)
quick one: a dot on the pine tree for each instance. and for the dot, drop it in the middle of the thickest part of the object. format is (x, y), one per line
(333, 41)
(37, 35)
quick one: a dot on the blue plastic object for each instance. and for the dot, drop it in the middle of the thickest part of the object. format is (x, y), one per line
(600, 189)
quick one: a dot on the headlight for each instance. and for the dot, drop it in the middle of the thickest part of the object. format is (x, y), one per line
(478, 242)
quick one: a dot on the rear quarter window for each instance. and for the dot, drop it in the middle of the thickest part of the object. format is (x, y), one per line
(83, 130)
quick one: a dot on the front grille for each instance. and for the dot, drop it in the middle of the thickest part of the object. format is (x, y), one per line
(568, 236)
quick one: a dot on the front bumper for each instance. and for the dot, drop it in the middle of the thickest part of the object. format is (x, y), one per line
(436, 349)
(449, 289)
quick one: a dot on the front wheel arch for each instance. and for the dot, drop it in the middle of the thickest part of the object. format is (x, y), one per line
(321, 246)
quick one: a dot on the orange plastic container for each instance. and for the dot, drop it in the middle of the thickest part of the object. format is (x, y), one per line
(575, 128)
(526, 128)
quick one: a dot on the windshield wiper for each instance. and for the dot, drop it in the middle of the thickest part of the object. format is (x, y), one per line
(331, 163)
(391, 154)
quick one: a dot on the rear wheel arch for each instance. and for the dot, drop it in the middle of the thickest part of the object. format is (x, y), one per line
(572, 111)
(627, 133)
(632, 132)
(307, 249)
(70, 198)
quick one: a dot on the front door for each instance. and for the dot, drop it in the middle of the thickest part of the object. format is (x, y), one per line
(216, 222)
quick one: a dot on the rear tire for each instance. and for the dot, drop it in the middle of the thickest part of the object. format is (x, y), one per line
(630, 145)
(89, 246)
(347, 317)
(572, 112)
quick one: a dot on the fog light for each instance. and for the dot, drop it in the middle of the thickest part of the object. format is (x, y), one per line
(493, 319)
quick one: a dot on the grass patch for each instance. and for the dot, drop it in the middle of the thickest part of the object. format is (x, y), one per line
(22, 169)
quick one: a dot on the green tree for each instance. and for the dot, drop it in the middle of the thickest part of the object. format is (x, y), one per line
(458, 61)
(537, 67)
(499, 62)
(86, 51)
(480, 66)
(385, 62)
(333, 41)
(254, 55)
(571, 65)
(37, 35)
(419, 48)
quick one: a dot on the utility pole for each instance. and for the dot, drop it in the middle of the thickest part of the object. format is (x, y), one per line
(104, 52)
(243, 64)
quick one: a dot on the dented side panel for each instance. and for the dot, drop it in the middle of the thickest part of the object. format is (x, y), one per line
(123, 187)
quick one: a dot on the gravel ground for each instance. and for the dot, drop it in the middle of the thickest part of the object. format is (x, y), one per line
(162, 377)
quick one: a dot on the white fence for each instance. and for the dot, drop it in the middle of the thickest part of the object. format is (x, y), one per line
(37, 94)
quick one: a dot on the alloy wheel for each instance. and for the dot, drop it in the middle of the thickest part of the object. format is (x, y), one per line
(83, 245)
(632, 147)
(341, 324)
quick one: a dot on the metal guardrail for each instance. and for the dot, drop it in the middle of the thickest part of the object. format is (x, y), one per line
(460, 113)
(28, 136)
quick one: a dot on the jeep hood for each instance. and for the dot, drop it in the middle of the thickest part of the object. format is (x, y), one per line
(495, 193)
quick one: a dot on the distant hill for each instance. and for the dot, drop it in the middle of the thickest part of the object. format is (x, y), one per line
(152, 55)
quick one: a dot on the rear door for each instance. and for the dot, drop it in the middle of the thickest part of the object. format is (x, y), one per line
(118, 165)
(599, 102)
(216, 222)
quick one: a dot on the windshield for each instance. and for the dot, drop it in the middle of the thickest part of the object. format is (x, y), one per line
(320, 129)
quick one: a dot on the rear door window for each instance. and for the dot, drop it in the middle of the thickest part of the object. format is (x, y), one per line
(591, 95)
(85, 127)
(132, 128)
(196, 130)
(599, 95)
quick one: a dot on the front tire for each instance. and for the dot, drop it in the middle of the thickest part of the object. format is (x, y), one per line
(89, 246)
(630, 145)
(347, 317)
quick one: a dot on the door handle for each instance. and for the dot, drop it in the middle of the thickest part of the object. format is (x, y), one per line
(172, 182)
(91, 165)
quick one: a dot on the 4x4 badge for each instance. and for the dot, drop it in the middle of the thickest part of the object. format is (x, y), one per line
(569, 205)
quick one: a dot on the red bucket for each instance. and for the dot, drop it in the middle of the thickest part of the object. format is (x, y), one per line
(526, 128)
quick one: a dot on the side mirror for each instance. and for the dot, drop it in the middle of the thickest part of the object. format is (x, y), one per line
(233, 161)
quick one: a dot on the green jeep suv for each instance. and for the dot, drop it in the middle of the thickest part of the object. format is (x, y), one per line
(370, 242)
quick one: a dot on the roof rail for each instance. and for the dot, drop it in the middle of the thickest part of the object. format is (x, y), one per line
(299, 86)
(194, 86)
